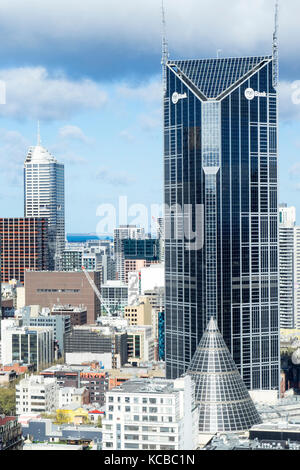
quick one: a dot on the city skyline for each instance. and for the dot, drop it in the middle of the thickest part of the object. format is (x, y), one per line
(104, 121)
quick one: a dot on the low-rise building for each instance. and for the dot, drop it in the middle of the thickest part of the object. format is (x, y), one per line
(7, 376)
(72, 413)
(61, 324)
(139, 314)
(140, 344)
(95, 343)
(151, 414)
(38, 429)
(94, 379)
(281, 432)
(28, 344)
(72, 395)
(47, 446)
(10, 433)
(119, 376)
(77, 314)
(35, 394)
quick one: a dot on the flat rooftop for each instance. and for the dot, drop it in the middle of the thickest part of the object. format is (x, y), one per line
(151, 386)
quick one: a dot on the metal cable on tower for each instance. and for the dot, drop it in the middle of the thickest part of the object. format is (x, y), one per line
(275, 47)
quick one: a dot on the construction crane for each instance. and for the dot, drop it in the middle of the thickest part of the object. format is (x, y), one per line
(96, 290)
(102, 301)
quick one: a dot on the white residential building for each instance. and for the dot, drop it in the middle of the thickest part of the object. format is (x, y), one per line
(289, 268)
(151, 414)
(70, 395)
(36, 394)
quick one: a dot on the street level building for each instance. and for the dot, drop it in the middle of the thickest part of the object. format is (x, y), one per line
(151, 414)
(35, 394)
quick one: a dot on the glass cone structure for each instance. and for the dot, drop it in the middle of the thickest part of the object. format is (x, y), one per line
(224, 402)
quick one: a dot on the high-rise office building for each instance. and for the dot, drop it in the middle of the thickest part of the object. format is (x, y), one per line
(44, 197)
(121, 233)
(221, 220)
(289, 267)
(24, 243)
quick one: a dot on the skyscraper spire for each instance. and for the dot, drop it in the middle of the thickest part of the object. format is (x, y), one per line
(275, 47)
(165, 51)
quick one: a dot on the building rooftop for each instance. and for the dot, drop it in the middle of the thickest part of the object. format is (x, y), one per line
(47, 446)
(39, 154)
(151, 386)
(280, 426)
(213, 77)
(6, 419)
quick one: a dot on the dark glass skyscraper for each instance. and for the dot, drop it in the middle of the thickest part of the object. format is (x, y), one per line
(221, 240)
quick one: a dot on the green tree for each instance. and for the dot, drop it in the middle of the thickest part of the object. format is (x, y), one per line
(99, 424)
(7, 401)
(61, 418)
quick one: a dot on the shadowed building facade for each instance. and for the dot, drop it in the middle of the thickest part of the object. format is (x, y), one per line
(221, 221)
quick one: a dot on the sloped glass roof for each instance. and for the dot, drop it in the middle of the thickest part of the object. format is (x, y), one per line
(214, 76)
(223, 399)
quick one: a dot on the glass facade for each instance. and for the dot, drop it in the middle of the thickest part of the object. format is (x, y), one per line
(221, 240)
(224, 402)
(44, 196)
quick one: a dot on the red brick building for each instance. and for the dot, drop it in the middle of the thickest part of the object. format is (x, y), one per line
(24, 245)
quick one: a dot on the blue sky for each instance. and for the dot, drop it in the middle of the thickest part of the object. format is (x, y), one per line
(90, 71)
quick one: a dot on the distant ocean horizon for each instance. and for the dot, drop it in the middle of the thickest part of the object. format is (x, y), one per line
(84, 237)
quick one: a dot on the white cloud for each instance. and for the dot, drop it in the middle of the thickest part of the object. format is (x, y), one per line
(151, 120)
(150, 92)
(106, 176)
(73, 133)
(13, 149)
(31, 92)
(294, 171)
(192, 26)
(289, 102)
(126, 135)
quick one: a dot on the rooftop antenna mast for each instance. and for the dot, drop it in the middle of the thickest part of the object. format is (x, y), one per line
(275, 47)
(165, 50)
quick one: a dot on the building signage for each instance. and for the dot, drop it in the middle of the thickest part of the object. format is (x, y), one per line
(250, 94)
(177, 96)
